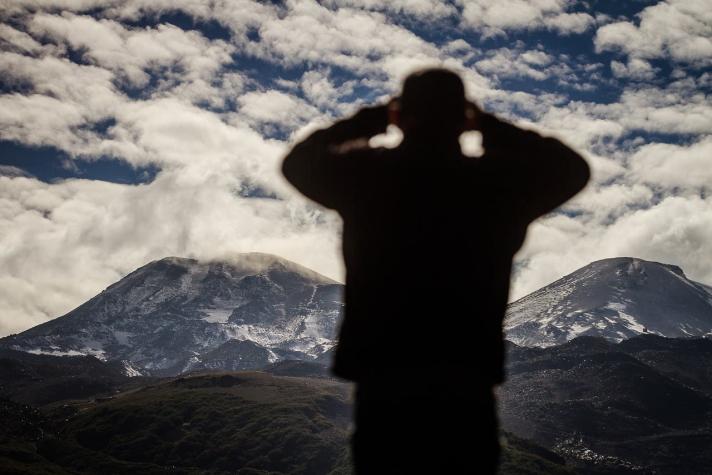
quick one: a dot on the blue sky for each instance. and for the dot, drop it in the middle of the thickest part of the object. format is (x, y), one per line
(132, 130)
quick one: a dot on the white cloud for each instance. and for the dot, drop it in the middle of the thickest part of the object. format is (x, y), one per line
(678, 29)
(672, 166)
(569, 23)
(133, 53)
(637, 69)
(65, 97)
(318, 87)
(539, 65)
(605, 204)
(204, 117)
(365, 42)
(506, 62)
(276, 107)
(578, 125)
(676, 231)
(238, 15)
(498, 16)
(13, 172)
(63, 243)
(16, 7)
(421, 9)
(19, 40)
(538, 58)
(665, 110)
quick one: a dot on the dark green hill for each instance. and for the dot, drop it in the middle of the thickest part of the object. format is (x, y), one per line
(247, 423)
(224, 423)
(640, 406)
(42, 379)
(217, 423)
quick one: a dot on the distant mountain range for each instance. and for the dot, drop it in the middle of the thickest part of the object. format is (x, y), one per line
(608, 373)
(175, 316)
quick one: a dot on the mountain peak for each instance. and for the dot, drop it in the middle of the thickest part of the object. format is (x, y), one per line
(614, 298)
(632, 265)
(170, 311)
(243, 263)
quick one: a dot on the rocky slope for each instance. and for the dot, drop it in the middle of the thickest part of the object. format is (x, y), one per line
(589, 406)
(176, 315)
(640, 406)
(615, 299)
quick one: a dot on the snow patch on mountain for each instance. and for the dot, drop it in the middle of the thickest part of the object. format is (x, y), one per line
(216, 315)
(51, 352)
(130, 369)
(54, 350)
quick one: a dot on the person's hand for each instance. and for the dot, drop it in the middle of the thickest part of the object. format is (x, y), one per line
(373, 119)
(473, 114)
(393, 107)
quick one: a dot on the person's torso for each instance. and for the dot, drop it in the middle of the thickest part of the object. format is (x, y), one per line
(428, 245)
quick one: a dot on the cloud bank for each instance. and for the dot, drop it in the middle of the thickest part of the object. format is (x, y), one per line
(213, 94)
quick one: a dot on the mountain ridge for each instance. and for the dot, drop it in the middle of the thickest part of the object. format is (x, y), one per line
(176, 315)
(615, 298)
(174, 309)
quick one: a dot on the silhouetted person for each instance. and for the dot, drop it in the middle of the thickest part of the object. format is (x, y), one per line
(428, 240)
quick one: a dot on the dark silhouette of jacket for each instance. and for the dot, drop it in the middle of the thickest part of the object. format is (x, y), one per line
(428, 240)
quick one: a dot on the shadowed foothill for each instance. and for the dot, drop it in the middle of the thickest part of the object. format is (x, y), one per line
(429, 235)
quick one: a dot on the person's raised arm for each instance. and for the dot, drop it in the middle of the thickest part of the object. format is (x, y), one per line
(540, 173)
(318, 165)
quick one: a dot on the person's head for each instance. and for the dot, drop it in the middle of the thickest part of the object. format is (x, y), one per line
(432, 104)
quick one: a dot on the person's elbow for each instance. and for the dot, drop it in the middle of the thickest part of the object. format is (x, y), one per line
(580, 171)
(295, 167)
(573, 167)
(288, 168)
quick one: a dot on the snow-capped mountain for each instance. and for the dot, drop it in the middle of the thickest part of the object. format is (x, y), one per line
(612, 298)
(175, 315)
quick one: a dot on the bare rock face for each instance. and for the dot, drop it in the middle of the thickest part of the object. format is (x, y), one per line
(615, 299)
(175, 315)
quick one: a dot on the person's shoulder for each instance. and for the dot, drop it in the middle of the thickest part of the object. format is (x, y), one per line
(488, 162)
(367, 154)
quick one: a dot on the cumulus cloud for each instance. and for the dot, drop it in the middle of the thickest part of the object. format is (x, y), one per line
(66, 98)
(674, 166)
(63, 243)
(319, 88)
(569, 23)
(667, 109)
(677, 230)
(420, 9)
(637, 69)
(215, 113)
(276, 107)
(20, 41)
(13, 172)
(498, 16)
(676, 29)
(362, 41)
(133, 53)
(506, 62)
